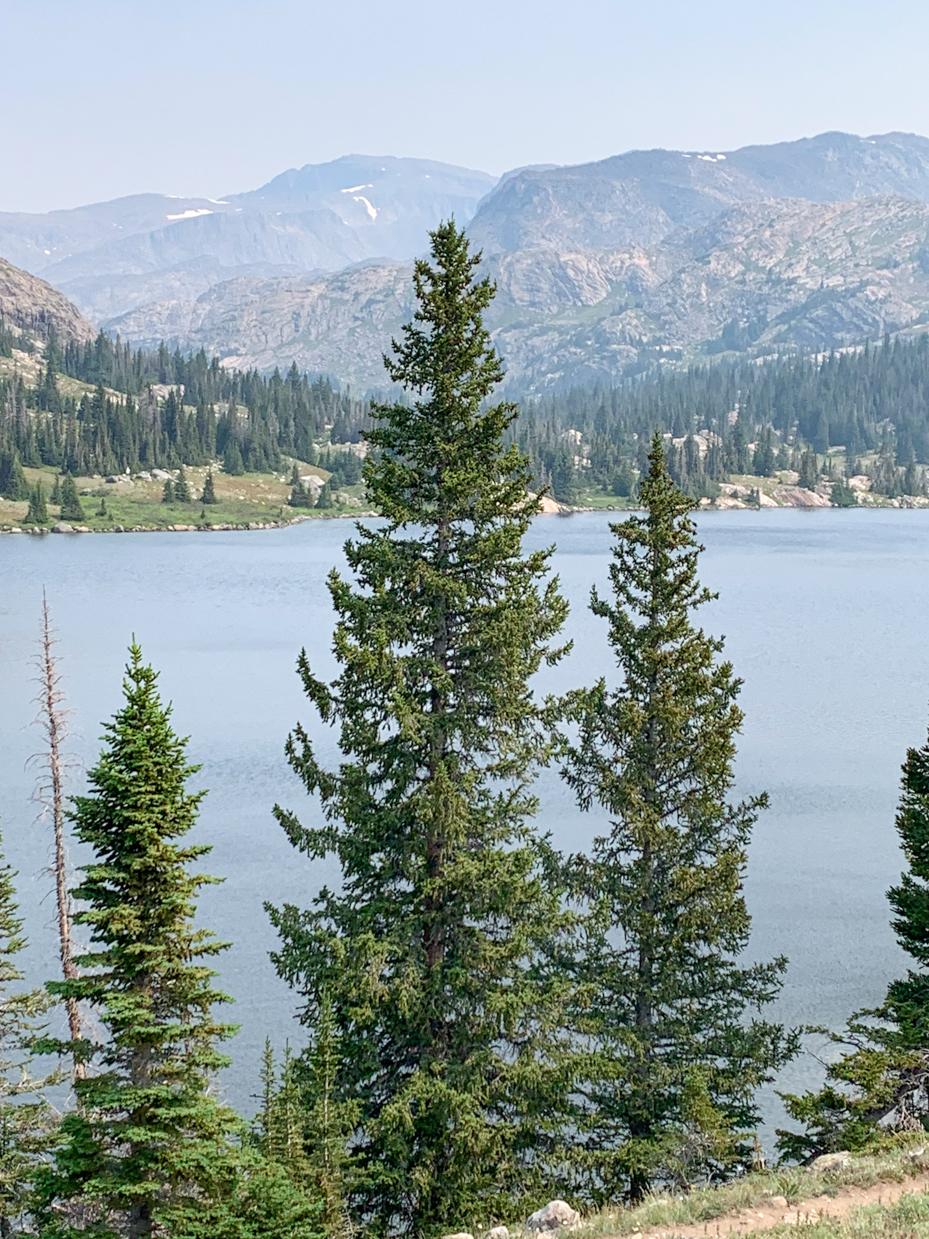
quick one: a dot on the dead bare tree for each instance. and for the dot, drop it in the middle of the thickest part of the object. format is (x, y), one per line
(53, 719)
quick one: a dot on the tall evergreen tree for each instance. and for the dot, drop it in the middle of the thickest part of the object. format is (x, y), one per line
(232, 459)
(38, 510)
(146, 1130)
(181, 487)
(809, 469)
(209, 491)
(674, 1061)
(13, 484)
(71, 509)
(26, 1120)
(430, 950)
(167, 491)
(882, 1082)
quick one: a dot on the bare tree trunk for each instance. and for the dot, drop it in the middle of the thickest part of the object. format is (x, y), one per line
(52, 718)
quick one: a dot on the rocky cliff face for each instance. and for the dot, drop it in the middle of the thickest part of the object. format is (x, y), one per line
(759, 277)
(813, 244)
(31, 306)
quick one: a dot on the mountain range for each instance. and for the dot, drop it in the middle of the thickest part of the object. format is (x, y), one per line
(601, 268)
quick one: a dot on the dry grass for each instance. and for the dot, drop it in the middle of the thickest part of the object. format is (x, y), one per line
(252, 498)
(794, 1183)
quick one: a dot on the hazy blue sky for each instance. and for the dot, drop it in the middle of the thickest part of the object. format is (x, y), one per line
(107, 97)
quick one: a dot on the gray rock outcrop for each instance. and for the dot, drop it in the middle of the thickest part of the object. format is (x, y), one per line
(556, 1215)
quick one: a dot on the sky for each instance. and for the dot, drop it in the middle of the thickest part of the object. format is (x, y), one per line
(204, 97)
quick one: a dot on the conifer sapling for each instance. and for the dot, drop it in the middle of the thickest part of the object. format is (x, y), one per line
(147, 1134)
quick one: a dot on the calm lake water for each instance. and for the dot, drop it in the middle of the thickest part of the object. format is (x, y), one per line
(826, 618)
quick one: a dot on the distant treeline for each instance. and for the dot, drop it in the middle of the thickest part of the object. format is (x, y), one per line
(248, 419)
(872, 401)
(753, 418)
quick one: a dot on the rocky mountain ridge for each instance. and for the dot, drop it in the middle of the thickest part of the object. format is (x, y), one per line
(763, 277)
(601, 268)
(112, 257)
(31, 307)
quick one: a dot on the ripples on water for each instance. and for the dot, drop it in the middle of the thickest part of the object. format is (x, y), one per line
(825, 618)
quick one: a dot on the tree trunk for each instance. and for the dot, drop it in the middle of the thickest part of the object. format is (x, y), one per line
(52, 719)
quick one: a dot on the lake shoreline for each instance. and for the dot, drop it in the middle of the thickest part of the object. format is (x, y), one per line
(65, 529)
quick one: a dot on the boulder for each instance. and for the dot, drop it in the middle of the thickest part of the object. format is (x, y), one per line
(831, 1161)
(62, 527)
(779, 1202)
(498, 1232)
(459, 1234)
(557, 1215)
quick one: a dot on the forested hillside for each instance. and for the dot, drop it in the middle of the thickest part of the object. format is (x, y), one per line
(845, 413)
(144, 410)
(856, 413)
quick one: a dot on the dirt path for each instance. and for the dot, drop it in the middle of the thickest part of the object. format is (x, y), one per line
(776, 1211)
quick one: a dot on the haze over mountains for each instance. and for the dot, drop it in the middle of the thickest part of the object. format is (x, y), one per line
(113, 256)
(601, 267)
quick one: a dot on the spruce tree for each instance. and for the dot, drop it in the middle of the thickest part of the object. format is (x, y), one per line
(881, 1083)
(232, 459)
(299, 495)
(328, 1122)
(55, 496)
(325, 495)
(674, 1059)
(430, 948)
(167, 493)
(38, 511)
(209, 491)
(71, 509)
(147, 1133)
(809, 470)
(181, 488)
(13, 484)
(26, 1120)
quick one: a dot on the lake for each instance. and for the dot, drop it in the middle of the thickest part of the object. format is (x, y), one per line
(825, 618)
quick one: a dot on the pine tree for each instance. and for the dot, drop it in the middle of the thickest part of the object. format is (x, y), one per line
(26, 1120)
(674, 1061)
(763, 459)
(564, 477)
(38, 512)
(329, 1122)
(842, 495)
(56, 491)
(429, 950)
(280, 1127)
(882, 1083)
(209, 492)
(299, 495)
(167, 494)
(325, 495)
(147, 1131)
(13, 484)
(181, 488)
(232, 459)
(809, 470)
(71, 509)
